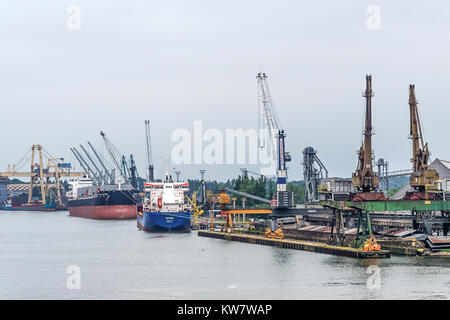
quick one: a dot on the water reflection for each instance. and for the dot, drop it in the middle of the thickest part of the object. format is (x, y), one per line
(282, 256)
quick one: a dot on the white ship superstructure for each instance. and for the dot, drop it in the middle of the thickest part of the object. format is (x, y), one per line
(166, 196)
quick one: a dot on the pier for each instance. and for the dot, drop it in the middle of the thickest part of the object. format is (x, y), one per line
(297, 245)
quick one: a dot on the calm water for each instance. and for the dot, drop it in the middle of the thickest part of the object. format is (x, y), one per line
(119, 262)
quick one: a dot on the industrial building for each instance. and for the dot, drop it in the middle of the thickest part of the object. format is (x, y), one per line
(442, 167)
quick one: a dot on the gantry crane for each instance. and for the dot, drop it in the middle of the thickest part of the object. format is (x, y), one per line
(150, 174)
(365, 180)
(40, 174)
(422, 176)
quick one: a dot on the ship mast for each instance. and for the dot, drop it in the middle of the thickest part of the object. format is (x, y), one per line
(167, 177)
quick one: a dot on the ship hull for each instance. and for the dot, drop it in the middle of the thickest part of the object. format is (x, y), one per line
(104, 212)
(109, 205)
(45, 208)
(164, 221)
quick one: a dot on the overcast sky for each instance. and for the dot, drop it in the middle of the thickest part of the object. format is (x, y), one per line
(174, 62)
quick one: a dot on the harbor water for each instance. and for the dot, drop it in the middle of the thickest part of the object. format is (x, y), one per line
(116, 261)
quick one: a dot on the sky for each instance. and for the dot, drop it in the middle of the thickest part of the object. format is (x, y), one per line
(179, 61)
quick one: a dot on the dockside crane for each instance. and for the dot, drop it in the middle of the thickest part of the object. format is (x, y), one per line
(125, 168)
(133, 174)
(91, 174)
(100, 175)
(150, 174)
(116, 157)
(37, 167)
(270, 125)
(128, 172)
(110, 174)
(422, 176)
(365, 180)
(41, 175)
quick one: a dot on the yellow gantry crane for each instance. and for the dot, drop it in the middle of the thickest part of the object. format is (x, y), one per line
(40, 174)
(422, 176)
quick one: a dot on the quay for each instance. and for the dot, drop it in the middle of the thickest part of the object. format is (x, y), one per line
(296, 245)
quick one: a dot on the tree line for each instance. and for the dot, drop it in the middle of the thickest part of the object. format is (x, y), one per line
(261, 187)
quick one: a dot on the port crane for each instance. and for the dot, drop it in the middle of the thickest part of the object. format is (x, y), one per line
(364, 179)
(422, 176)
(271, 137)
(93, 171)
(91, 174)
(128, 173)
(101, 177)
(109, 173)
(133, 174)
(150, 174)
(114, 154)
(271, 129)
(40, 174)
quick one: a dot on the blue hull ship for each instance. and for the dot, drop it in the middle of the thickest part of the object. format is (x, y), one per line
(164, 207)
(164, 221)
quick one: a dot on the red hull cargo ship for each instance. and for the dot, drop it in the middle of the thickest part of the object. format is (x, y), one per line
(114, 204)
(101, 202)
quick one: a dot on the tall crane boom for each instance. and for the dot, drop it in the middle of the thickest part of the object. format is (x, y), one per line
(85, 166)
(365, 179)
(268, 119)
(421, 175)
(99, 172)
(109, 173)
(150, 173)
(115, 156)
(271, 127)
